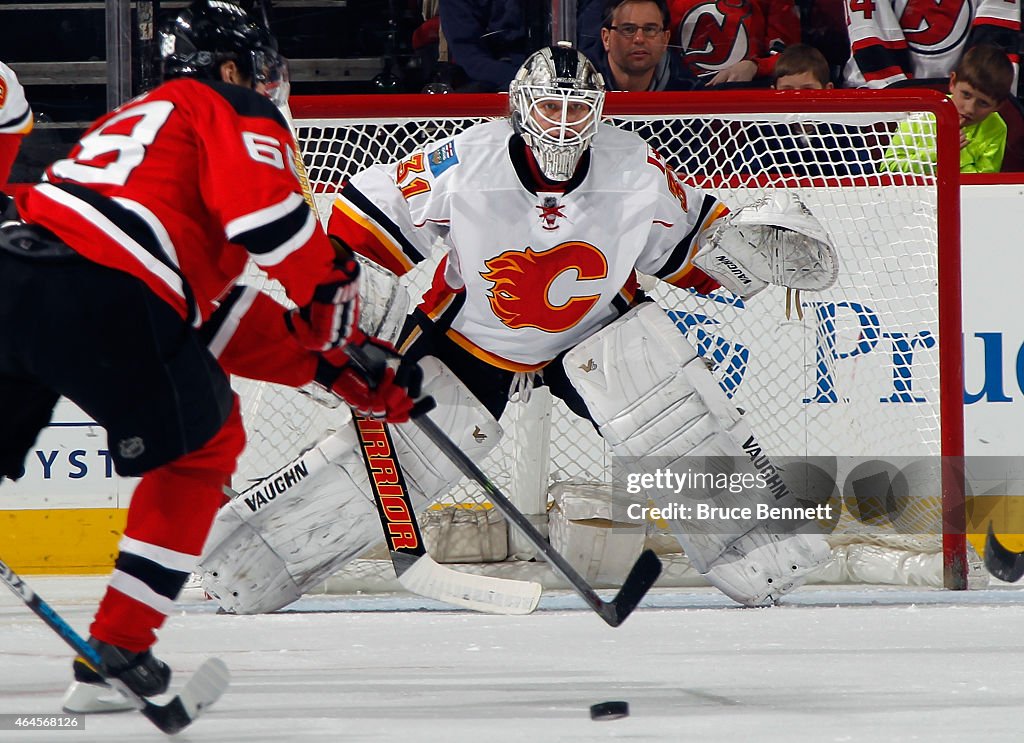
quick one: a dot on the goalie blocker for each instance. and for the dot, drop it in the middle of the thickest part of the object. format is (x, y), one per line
(651, 395)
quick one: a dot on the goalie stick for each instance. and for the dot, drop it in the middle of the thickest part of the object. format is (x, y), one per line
(1002, 562)
(202, 689)
(641, 577)
(415, 569)
(418, 572)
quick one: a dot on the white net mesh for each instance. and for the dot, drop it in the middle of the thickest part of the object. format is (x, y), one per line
(850, 374)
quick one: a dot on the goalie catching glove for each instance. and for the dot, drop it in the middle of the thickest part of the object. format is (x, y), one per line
(371, 378)
(774, 240)
(331, 317)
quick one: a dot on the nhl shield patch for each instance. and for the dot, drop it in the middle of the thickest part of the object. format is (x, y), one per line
(442, 158)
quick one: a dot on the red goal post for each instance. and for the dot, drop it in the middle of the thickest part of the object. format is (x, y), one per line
(897, 233)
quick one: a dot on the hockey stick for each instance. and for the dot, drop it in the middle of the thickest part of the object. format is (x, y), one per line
(202, 689)
(641, 577)
(1002, 562)
(418, 572)
(415, 569)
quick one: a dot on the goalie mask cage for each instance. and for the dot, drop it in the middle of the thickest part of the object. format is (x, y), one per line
(868, 370)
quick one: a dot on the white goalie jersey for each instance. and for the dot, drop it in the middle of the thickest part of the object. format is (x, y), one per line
(532, 267)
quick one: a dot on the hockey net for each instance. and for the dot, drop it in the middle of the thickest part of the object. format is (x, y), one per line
(865, 376)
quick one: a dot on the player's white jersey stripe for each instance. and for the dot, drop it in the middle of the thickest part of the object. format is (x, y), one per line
(134, 588)
(160, 270)
(262, 217)
(180, 561)
(285, 249)
(159, 231)
(230, 324)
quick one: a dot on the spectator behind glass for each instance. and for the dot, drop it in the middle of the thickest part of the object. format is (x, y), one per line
(981, 81)
(923, 40)
(733, 41)
(487, 39)
(635, 56)
(15, 119)
(815, 149)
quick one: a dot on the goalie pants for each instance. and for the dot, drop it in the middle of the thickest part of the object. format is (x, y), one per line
(103, 340)
(490, 384)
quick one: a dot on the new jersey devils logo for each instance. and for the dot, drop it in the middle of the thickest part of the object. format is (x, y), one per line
(541, 290)
(935, 26)
(714, 35)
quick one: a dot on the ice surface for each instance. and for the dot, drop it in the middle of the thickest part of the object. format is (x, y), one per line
(851, 664)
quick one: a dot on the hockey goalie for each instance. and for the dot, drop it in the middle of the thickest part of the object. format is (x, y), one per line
(546, 218)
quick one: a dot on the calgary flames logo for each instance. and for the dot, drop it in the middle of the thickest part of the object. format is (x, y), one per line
(525, 294)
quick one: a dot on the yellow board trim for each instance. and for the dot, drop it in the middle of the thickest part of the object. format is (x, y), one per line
(68, 540)
(84, 540)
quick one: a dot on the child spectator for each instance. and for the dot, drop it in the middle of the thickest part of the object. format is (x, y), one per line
(817, 149)
(981, 81)
(801, 67)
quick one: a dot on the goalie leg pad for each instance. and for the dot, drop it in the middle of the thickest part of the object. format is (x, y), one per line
(291, 530)
(281, 536)
(651, 395)
(760, 567)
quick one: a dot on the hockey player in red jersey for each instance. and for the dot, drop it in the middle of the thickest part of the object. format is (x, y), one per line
(117, 289)
(546, 218)
(15, 119)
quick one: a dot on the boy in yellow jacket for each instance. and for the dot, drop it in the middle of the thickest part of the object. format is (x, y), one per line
(978, 85)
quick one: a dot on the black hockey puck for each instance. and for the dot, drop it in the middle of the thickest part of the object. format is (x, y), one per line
(609, 711)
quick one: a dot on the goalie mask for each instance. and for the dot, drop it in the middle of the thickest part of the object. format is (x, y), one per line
(556, 100)
(210, 32)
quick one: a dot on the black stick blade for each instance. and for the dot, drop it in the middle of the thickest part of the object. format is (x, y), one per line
(203, 688)
(645, 571)
(1003, 563)
(171, 718)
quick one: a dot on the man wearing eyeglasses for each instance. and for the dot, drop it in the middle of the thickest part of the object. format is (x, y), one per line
(633, 53)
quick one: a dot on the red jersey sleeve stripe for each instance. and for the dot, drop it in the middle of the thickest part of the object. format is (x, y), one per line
(105, 240)
(223, 324)
(262, 217)
(292, 245)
